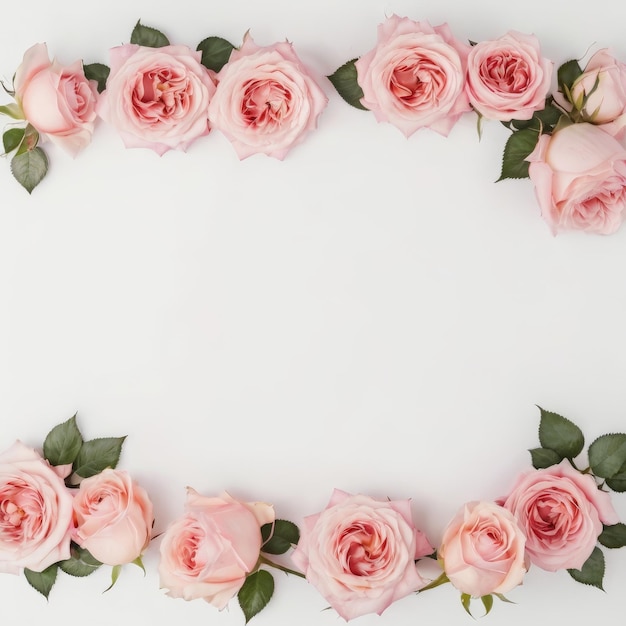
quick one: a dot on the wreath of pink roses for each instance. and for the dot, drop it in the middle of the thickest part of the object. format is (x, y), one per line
(568, 138)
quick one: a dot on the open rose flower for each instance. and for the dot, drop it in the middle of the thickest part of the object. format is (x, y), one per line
(55, 99)
(113, 517)
(599, 93)
(561, 512)
(507, 78)
(209, 551)
(482, 550)
(35, 512)
(360, 553)
(266, 100)
(157, 98)
(579, 174)
(415, 76)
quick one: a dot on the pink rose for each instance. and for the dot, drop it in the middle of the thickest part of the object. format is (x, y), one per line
(35, 512)
(602, 89)
(579, 175)
(415, 76)
(113, 517)
(508, 78)
(157, 98)
(57, 100)
(482, 550)
(360, 553)
(266, 100)
(562, 512)
(209, 552)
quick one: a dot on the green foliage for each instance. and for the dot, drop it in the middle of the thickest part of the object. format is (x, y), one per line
(344, 80)
(215, 52)
(63, 443)
(567, 75)
(592, 571)
(613, 536)
(42, 581)
(12, 110)
(147, 36)
(115, 574)
(98, 72)
(560, 434)
(29, 167)
(518, 146)
(543, 457)
(98, 454)
(279, 536)
(12, 139)
(542, 121)
(81, 563)
(255, 593)
(607, 456)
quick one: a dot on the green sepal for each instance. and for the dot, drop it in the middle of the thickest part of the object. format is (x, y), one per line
(81, 562)
(465, 601)
(503, 598)
(115, 574)
(567, 75)
(560, 434)
(13, 110)
(98, 72)
(12, 139)
(215, 52)
(279, 536)
(42, 581)
(139, 563)
(255, 593)
(487, 603)
(29, 167)
(345, 81)
(98, 454)
(441, 580)
(592, 571)
(147, 36)
(544, 457)
(63, 443)
(607, 455)
(613, 536)
(518, 146)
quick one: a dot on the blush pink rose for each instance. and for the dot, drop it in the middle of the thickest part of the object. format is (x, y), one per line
(266, 100)
(35, 512)
(561, 512)
(360, 553)
(507, 78)
(157, 98)
(209, 551)
(57, 100)
(415, 76)
(579, 174)
(482, 550)
(113, 517)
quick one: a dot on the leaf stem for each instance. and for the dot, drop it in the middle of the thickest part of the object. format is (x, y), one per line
(282, 568)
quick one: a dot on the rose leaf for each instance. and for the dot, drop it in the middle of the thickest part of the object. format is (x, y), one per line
(613, 536)
(12, 139)
(29, 168)
(518, 146)
(560, 434)
(618, 484)
(544, 457)
(98, 72)
(567, 74)
(81, 562)
(592, 571)
(63, 443)
(42, 581)
(255, 593)
(279, 536)
(607, 455)
(215, 52)
(98, 454)
(344, 80)
(147, 36)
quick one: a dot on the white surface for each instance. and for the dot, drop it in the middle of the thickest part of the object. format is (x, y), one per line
(372, 314)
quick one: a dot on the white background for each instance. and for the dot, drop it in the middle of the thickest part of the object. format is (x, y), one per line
(373, 313)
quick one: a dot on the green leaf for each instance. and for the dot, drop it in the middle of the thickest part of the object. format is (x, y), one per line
(592, 571)
(98, 72)
(618, 485)
(286, 534)
(147, 36)
(543, 457)
(63, 443)
(115, 574)
(255, 593)
(81, 562)
(344, 80)
(560, 434)
(607, 455)
(518, 146)
(542, 121)
(12, 139)
(215, 52)
(98, 454)
(12, 110)
(566, 75)
(613, 536)
(487, 603)
(42, 581)
(29, 168)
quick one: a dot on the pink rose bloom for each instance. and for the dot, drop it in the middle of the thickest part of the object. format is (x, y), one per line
(157, 98)
(603, 84)
(508, 78)
(360, 553)
(562, 512)
(209, 551)
(415, 76)
(35, 512)
(113, 517)
(57, 100)
(482, 550)
(579, 174)
(266, 100)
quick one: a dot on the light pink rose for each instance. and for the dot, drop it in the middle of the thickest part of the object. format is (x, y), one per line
(603, 84)
(35, 512)
(266, 100)
(360, 553)
(507, 78)
(562, 512)
(579, 174)
(415, 76)
(157, 98)
(57, 100)
(482, 550)
(113, 517)
(209, 551)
